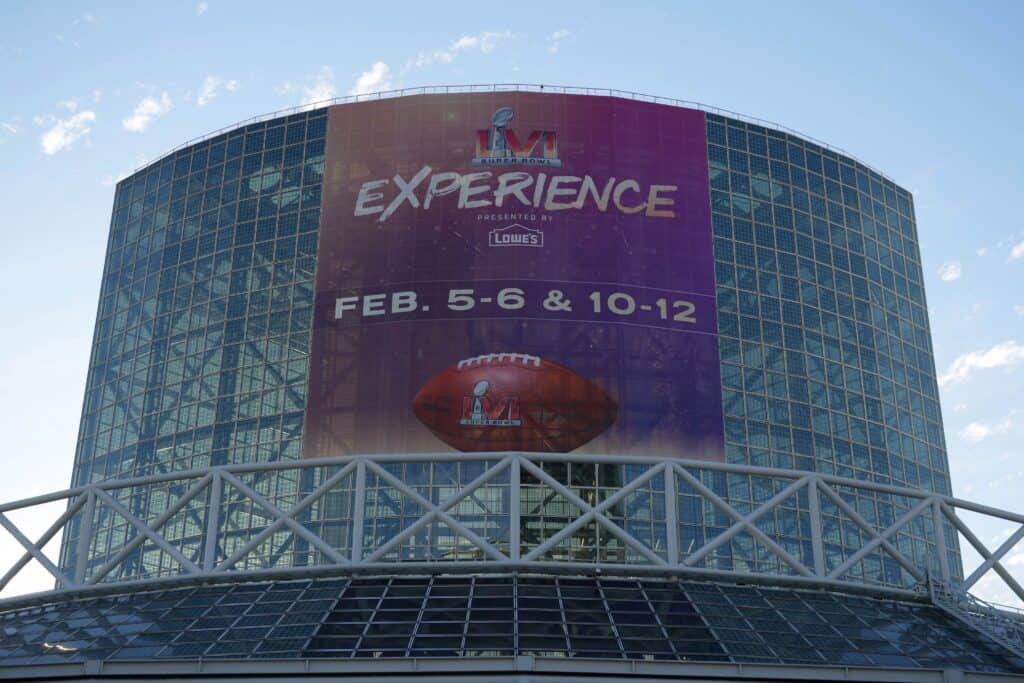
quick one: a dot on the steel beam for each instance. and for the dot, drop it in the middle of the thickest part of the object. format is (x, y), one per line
(817, 542)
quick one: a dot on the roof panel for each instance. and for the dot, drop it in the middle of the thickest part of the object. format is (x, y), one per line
(488, 616)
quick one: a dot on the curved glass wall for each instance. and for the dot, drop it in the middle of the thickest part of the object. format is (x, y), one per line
(202, 337)
(201, 345)
(200, 354)
(827, 359)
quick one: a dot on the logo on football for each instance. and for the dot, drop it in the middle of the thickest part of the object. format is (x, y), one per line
(513, 402)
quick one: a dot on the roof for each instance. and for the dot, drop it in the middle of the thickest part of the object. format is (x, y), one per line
(470, 617)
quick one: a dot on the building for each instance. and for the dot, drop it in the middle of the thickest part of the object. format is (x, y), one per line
(265, 466)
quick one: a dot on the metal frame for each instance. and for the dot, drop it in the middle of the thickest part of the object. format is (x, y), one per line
(1001, 624)
(510, 87)
(522, 669)
(213, 485)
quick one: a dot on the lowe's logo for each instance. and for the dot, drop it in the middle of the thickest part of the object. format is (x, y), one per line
(515, 235)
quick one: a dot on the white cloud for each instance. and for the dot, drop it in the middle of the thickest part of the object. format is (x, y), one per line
(959, 407)
(374, 80)
(981, 251)
(97, 95)
(556, 38)
(111, 180)
(317, 89)
(208, 90)
(145, 111)
(210, 86)
(71, 105)
(1004, 479)
(1017, 251)
(979, 431)
(428, 58)
(65, 132)
(465, 43)
(949, 271)
(201, 7)
(489, 41)
(1005, 354)
(485, 41)
(9, 127)
(975, 310)
(1017, 308)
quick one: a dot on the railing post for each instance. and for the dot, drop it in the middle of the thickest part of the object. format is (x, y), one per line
(359, 513)
(671, 515)
(212, 523)
(84, 538)
(817, 542)
(938, 521)
(514, 500)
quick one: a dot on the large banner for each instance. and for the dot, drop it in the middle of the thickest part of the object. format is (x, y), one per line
(515, 271)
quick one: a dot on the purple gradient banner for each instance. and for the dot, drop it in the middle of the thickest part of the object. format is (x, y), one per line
(572, 229)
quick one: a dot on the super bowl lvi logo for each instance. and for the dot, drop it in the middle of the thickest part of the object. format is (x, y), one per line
(500, 146)
(483, 410)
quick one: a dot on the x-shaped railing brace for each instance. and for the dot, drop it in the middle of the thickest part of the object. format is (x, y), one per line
(439, 511)
(743, 522)
(991, 559)
(593, 512)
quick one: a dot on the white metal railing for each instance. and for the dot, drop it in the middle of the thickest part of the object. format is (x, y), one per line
(508, 511)
(510, 87)
(1004, 625)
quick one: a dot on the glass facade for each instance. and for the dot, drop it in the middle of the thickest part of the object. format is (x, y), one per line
(202, 336)
(202, 342)
(827, 359)
(498, 616)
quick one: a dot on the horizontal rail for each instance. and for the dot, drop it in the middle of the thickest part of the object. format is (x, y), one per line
(511, 87)
(197, 473)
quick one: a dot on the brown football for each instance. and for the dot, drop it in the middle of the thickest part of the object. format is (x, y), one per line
(513, 402)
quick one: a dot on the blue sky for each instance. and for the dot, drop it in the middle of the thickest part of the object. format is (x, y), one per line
(930, 93)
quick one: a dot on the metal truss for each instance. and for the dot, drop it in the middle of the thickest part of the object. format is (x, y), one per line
(383, 514)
